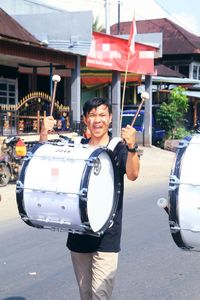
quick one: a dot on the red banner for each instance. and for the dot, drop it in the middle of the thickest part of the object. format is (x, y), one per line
(111, 53)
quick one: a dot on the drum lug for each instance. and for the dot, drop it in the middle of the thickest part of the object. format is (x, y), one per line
(95, 162)
(174, 182)
(174, 227)
(19, 186)
(28, 156)
(90, 162)
(83, 194)
(111, 223)
(24, 218)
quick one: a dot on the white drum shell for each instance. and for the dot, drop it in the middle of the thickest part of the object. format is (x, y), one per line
(51, 188)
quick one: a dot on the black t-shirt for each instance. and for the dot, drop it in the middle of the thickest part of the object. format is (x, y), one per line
(110, 240)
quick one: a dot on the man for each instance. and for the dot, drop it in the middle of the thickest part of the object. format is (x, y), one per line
(95, 258)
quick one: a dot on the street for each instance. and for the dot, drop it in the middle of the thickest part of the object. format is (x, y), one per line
(35, 264)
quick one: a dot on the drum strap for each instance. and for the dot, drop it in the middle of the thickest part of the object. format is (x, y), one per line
(111, 145)
(77, 140)
(114, 142)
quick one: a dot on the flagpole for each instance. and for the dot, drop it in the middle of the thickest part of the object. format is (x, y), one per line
(130, 45)
(124, 87)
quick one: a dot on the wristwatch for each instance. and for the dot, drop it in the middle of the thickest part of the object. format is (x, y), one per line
(134, 149)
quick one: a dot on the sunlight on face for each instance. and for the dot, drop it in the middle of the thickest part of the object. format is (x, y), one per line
(98, 120)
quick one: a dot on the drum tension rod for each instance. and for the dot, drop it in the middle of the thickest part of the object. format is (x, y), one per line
(91, 161)
(83, 194)
(183, 144)
(28, 156)
(174, 181)
(96, 163)
(174, 227)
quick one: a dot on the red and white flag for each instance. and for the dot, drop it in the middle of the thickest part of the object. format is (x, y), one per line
(131, 40)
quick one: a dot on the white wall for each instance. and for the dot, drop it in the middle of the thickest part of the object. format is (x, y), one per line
(18, 7)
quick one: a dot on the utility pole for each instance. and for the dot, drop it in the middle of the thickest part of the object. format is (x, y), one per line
(118, 21)
(115, 85)
(107, 16)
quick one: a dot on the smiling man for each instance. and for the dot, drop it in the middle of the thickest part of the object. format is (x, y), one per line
(95, 258)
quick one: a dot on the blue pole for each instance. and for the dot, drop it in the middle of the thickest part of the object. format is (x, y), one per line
(51, 83)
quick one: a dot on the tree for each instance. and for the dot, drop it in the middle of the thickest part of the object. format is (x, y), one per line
(96, 26)
(171, 115)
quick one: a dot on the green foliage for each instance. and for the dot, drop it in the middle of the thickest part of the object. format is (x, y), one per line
(96, 26)
(179, 133)
(171, 115)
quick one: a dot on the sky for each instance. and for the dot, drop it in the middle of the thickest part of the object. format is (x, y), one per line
(186, 13)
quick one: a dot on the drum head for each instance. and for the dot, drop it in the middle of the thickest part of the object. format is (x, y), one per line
(184, 213)
(189, 200)
(51, 186)
(101, 193)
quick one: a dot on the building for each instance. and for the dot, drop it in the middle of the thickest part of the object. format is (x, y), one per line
(28, 61)
(179, 63)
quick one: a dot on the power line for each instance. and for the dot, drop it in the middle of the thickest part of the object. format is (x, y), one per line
(173, 17)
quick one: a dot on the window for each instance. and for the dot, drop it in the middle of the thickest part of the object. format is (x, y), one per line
(195, 72)
(184, 69)
(8, 92)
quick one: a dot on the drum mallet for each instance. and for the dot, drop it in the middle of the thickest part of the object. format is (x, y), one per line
(163, 203)
(55, 79)
(144, 96)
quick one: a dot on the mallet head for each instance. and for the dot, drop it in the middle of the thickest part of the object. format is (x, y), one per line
(56, 78)
(145, 95)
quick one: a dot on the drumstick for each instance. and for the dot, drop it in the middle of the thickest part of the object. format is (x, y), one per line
(55, 79)
(144, 96)
(163, 203)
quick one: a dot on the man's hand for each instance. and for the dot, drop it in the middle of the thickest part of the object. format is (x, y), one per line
(129, 135)
(132, 163)
(47, 126)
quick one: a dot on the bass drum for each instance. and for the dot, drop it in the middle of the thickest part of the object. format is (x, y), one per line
(184, 195)
(68, 187)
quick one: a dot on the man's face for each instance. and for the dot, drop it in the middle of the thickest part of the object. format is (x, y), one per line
(98, 120)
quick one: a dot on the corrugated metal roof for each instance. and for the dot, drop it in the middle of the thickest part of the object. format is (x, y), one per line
(160, 79)
(80, 47)
(192, 94)
(74, 35)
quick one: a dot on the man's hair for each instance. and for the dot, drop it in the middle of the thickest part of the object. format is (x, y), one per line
(94, 103)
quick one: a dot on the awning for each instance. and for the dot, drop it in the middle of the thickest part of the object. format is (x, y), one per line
(192, 94)
(91, 77)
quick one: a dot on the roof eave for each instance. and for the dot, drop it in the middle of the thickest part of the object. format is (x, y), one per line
(14, 40)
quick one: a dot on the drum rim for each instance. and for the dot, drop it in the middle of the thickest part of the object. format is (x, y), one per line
(84, 185)
(19, 191)
(173, 198)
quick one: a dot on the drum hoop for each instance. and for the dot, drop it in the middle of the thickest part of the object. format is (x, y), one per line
(173, 196)
(19, 190)
(85, 182)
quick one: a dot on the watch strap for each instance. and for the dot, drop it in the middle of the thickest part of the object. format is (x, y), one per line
(134, 149)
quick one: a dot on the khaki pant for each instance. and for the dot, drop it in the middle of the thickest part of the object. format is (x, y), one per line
(95, 273)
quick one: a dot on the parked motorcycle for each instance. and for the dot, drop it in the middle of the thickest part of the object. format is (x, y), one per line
(12, 152)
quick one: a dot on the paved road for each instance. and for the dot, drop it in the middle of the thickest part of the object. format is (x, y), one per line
(34, 264)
